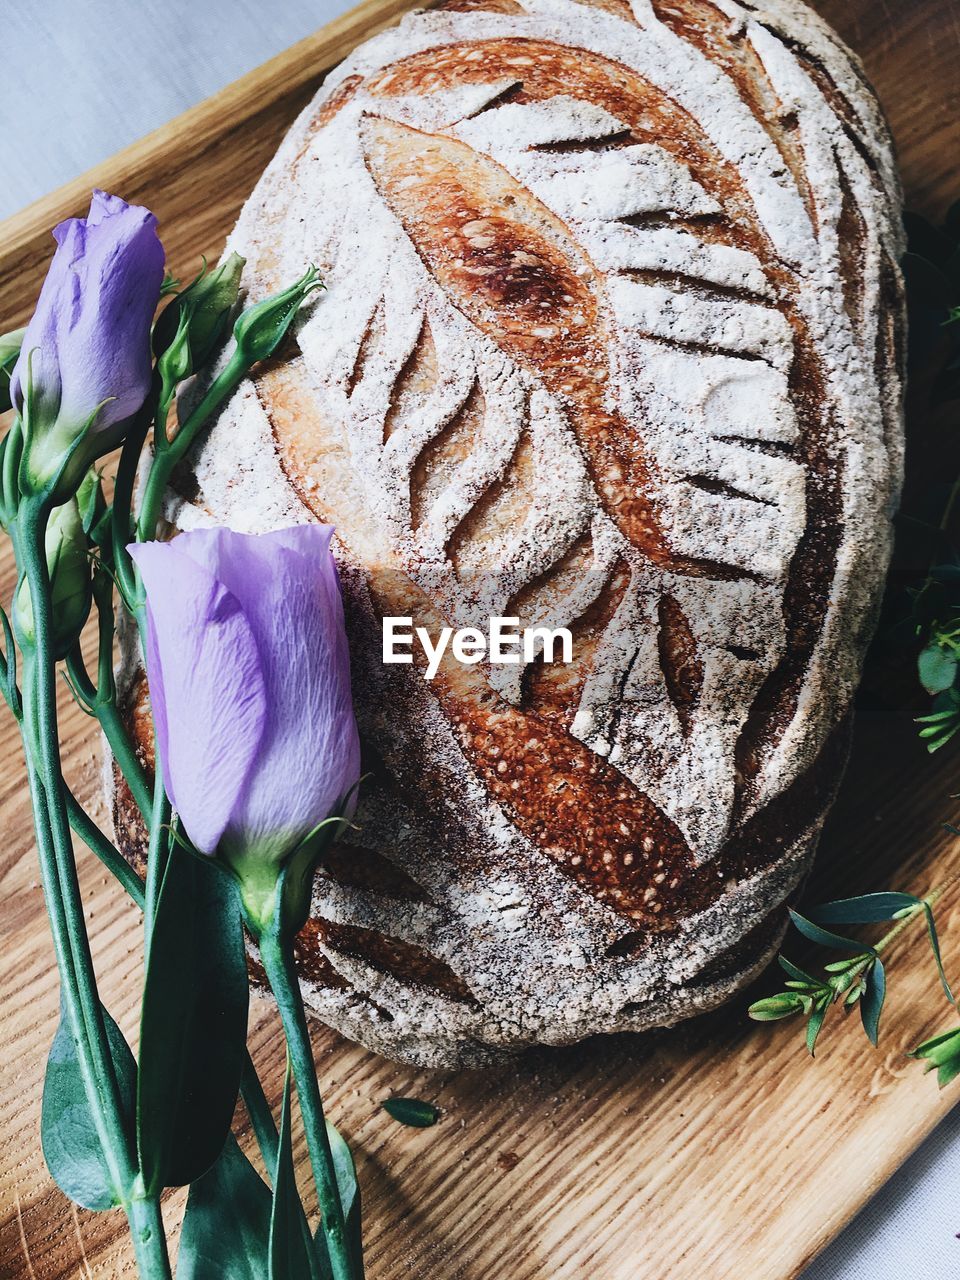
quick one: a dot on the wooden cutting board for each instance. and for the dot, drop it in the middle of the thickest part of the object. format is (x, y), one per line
(714, 1150)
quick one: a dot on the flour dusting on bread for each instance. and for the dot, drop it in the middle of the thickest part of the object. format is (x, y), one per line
(612, 339)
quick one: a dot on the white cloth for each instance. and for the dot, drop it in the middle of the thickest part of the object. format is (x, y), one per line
(81, 79)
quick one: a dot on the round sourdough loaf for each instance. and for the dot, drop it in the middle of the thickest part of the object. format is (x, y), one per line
(611, 339)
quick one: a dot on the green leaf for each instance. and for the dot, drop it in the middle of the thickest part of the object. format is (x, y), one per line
(226, 1227)
(936, 668)
(349, 1189)
(939, 1048)
(935, 948)
(948, 1072)
(783, 1005)
(823, 937)
(944, 721)
(68, 1134)
(854, 994)
(799, 975)
(193, 1023)
(866, 909)
(813, 1027)
(942, 1052)
(871, 1002)
(412, 1111)
(288, 1259)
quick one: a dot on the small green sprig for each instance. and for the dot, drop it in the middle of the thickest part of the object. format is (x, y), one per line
(942, 1055)
(859, 979)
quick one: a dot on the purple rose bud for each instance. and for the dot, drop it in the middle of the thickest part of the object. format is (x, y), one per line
(249, 677)
(85, 358)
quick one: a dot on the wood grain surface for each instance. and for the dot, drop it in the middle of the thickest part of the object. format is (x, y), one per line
(714, 1150)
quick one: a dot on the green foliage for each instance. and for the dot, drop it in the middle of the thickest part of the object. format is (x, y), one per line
(288, 1250)
(412, 1112)
(68, 1131)
(114, 1134)
(227, 1222)
(856, 980)
(349, 1189)
(942, 1054)
(193, 1023)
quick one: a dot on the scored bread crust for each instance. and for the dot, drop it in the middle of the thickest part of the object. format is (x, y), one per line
(611, 339)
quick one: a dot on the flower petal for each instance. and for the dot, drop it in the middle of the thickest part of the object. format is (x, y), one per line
(206, 686)
(288, 586)
(90, 332)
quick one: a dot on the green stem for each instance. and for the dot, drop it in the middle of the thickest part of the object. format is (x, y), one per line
(930, 900)
(251, 1090)
(168, 453)
(62, 889)
(101, 704)
(261, 1117)
(901, 924)
(106, 851)
(156, 850)
(276, 953)
(268, 1141)
(124, 752)
(110, 1140)
(146, 1229)
(254, 1098)
(122, 519)
(151, 1250)
(41, 714)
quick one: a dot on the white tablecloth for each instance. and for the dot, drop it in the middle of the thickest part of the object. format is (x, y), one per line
(82, 78)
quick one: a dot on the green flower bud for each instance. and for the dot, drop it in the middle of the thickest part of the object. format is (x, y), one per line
(176, 362)
(197, 317)
(68, 565)
(10, 344)
(261, 328)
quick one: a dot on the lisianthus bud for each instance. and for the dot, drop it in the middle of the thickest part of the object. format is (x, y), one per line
(68, 564)
(10, 344)
(261, 328)
(249, 678)
(84, 367)
(95, 515)
(205, 305)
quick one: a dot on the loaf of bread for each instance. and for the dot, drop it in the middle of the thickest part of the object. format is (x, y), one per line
(611, 340)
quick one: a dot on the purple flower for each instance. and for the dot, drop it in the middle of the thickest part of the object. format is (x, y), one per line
(89, 339)
(249, 678)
